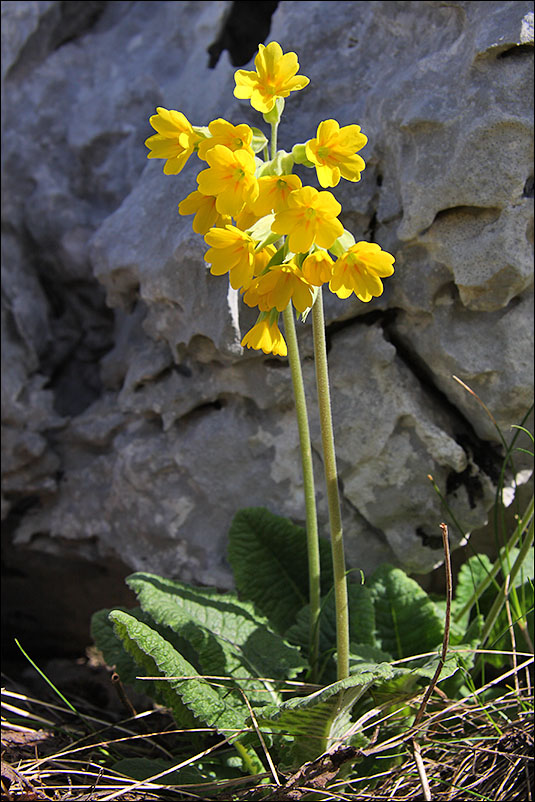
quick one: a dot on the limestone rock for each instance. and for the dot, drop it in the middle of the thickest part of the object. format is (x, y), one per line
(134, 424)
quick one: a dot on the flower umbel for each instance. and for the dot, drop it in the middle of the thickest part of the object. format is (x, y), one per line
(265, 337)
(360, 270)
(175, 140)
(310, 217)
(230, 177)
(334, 152)
(275, 76)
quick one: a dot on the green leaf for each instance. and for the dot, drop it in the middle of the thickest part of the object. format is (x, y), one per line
(500, 636)
(407, 621)
(396, 692)
(229, 637)
(203, 771)
(361, 623)
(405, 680)
(116, 656)
(141, 768)
(424, 667)
(471, 575)
(465, 653)
(363, 657)
(111, 647)
(191, 700)
(316, 721)
(268, 555)
(508, 558)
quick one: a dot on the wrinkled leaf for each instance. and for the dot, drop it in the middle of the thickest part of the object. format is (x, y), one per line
(316, 721)
(407, 621)
(269, 559)
(229, 636)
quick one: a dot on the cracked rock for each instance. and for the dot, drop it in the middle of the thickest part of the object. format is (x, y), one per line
(134, 424)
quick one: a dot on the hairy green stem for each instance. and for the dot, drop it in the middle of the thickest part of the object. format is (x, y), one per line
(274, 129)
(314, 568)
(309, 489)
(331, 481)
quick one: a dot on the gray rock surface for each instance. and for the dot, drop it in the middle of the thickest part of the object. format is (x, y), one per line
(134, 425)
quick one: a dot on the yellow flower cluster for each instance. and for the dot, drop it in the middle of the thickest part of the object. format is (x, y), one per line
(271, 234)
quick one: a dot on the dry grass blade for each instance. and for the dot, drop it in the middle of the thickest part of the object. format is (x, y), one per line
(445, 643)
(463, 756)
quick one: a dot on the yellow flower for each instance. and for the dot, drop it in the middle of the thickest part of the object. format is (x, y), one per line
(261, 259)
(266, 338)
(175, 140)
(310, 217)
(275, 289)
(360, 270)
(246, 218)
(233, 137)
(317, 268)
(273, 191)
(204, 209)
(275, 76)
(334, 152)
(231, 251)
(230, 177)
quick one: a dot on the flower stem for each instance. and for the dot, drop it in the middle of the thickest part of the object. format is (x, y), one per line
(274, 130)
(308, 482)
(331, 481)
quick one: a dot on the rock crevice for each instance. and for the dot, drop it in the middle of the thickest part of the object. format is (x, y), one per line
(134, 425)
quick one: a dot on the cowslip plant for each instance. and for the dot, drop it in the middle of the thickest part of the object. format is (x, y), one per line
(280, 242)
(227, 661)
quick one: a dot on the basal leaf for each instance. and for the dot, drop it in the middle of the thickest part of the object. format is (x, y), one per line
(407, 621)
(361, 624)
(112, 647)
(118, 657)
(230, 638)
(141, 768)
(268, 555)
(316, 721)
(115, 654)
(191, 700)
(363, 657)
(424, 668)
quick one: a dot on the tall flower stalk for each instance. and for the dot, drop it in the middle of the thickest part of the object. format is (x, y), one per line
(331, 484)
(313, 553)
(307, 467)
(280, 242)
